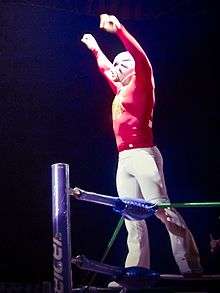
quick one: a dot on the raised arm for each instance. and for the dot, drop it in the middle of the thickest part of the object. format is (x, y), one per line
(104, 65)
(111, 24)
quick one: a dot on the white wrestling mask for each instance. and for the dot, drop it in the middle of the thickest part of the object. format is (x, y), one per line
(124, 67)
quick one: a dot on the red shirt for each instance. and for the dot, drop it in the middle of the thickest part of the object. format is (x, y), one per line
(132, 108)
(132, 112)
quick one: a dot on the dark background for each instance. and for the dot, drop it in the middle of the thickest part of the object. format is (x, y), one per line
(56, 107)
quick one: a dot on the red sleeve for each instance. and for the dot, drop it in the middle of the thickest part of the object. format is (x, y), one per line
(142, 62)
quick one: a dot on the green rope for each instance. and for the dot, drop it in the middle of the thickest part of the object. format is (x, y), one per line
(112, 240)
(207, 204)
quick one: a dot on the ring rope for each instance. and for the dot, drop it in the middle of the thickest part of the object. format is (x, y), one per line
(112, 240)
(208, 204)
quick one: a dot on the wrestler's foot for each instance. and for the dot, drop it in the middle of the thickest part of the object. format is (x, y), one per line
(192, 274)
(114, 285)
(196, 273)
(190, 268)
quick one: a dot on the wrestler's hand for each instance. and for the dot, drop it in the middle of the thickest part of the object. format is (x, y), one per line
(90, 42)
(109, 23)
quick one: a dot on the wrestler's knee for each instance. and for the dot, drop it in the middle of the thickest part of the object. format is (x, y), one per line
(172, 221)
(136, 226)
(137, 230)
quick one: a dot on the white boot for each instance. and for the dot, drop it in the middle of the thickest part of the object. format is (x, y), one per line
(114, 284)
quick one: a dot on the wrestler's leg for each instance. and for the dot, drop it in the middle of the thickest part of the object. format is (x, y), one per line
(148, 169)
(137, 239)
(184, 248)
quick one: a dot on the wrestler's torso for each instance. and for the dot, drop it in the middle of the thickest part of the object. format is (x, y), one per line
(132, 111)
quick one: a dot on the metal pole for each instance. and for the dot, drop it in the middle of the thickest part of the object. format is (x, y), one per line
(61, 229)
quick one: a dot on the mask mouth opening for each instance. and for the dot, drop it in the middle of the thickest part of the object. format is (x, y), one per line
(115, 76)
(122, 73)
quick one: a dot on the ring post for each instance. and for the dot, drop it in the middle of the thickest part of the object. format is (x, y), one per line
(61, 229)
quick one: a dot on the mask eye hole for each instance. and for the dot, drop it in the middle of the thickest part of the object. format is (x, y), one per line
(125, 66)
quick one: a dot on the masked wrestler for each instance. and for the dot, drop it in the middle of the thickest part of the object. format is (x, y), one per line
(140, 165)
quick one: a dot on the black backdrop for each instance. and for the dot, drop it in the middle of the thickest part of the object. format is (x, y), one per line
(55, 107)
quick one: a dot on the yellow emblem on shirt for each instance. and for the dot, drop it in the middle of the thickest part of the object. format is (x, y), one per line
(117, 108)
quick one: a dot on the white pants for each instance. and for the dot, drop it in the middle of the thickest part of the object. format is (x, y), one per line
(140, 175)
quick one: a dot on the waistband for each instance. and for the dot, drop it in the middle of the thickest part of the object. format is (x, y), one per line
(151, 150)
(129, 146)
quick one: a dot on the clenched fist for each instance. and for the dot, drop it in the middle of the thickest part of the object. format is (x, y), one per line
(109, 23)
(90, 42)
